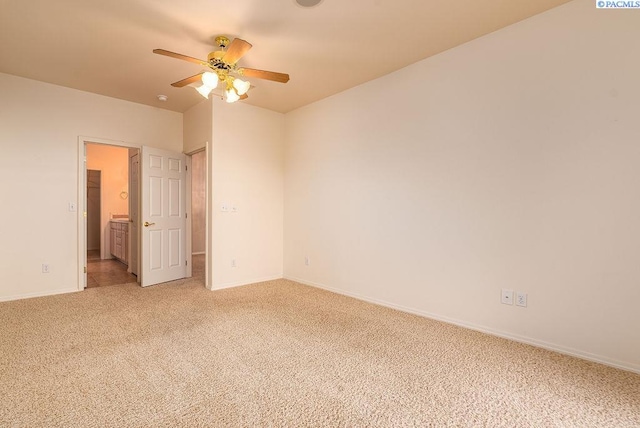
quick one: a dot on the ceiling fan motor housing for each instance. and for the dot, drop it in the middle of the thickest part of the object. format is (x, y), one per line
(215, 62)
(215, 59)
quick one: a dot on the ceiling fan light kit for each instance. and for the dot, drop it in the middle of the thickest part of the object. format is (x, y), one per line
(234, 87)
(224, 69)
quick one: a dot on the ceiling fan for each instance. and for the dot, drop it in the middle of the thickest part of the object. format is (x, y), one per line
(224, 68)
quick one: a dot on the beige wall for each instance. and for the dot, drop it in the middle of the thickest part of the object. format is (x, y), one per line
(512, 161)
(113, 162)
(197, 126)
(41, 124)
(247, 173)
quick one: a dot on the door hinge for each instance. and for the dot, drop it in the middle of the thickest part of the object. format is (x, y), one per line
(186, 215)
(85, 269)
(186, 168)
(186, 262)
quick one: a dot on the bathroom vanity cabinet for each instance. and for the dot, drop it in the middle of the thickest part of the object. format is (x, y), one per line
(120, 240)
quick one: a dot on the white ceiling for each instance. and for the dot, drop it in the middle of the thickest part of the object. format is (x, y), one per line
(104, 46)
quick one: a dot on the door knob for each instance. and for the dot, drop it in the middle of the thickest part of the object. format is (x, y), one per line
(147, 224)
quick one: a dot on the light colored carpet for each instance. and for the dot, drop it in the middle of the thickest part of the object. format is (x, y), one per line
(281, 354)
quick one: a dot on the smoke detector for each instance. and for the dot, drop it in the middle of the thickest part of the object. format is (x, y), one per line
(162, 98)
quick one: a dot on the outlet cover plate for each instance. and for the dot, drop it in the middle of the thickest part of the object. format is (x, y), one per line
(521, 299)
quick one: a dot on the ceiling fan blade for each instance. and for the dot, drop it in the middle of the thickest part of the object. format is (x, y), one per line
(180, 56)
(187, 81)
(244, 96)
(236, 50)
(261, 74)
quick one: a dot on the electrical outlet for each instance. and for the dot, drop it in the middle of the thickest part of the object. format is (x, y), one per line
(521, 299)
(307, 262)
(234, 209)
(72, 206)
(45, 268)
(507, 297)
(233, 263)
(224, 208)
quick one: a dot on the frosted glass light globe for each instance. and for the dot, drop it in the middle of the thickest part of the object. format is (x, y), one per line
(204, 90)
(232, 96)
(241, 86)
(210, 79)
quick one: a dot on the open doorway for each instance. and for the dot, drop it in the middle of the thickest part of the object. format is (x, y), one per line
(108, 230)
(198, 213)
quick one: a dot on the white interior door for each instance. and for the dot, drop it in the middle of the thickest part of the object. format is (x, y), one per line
(163, 216)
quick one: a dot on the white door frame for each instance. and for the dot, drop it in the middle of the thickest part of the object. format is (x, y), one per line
(82, 199)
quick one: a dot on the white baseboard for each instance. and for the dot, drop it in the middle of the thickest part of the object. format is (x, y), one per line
(39, 294)
(226, 285)
(517, 338)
